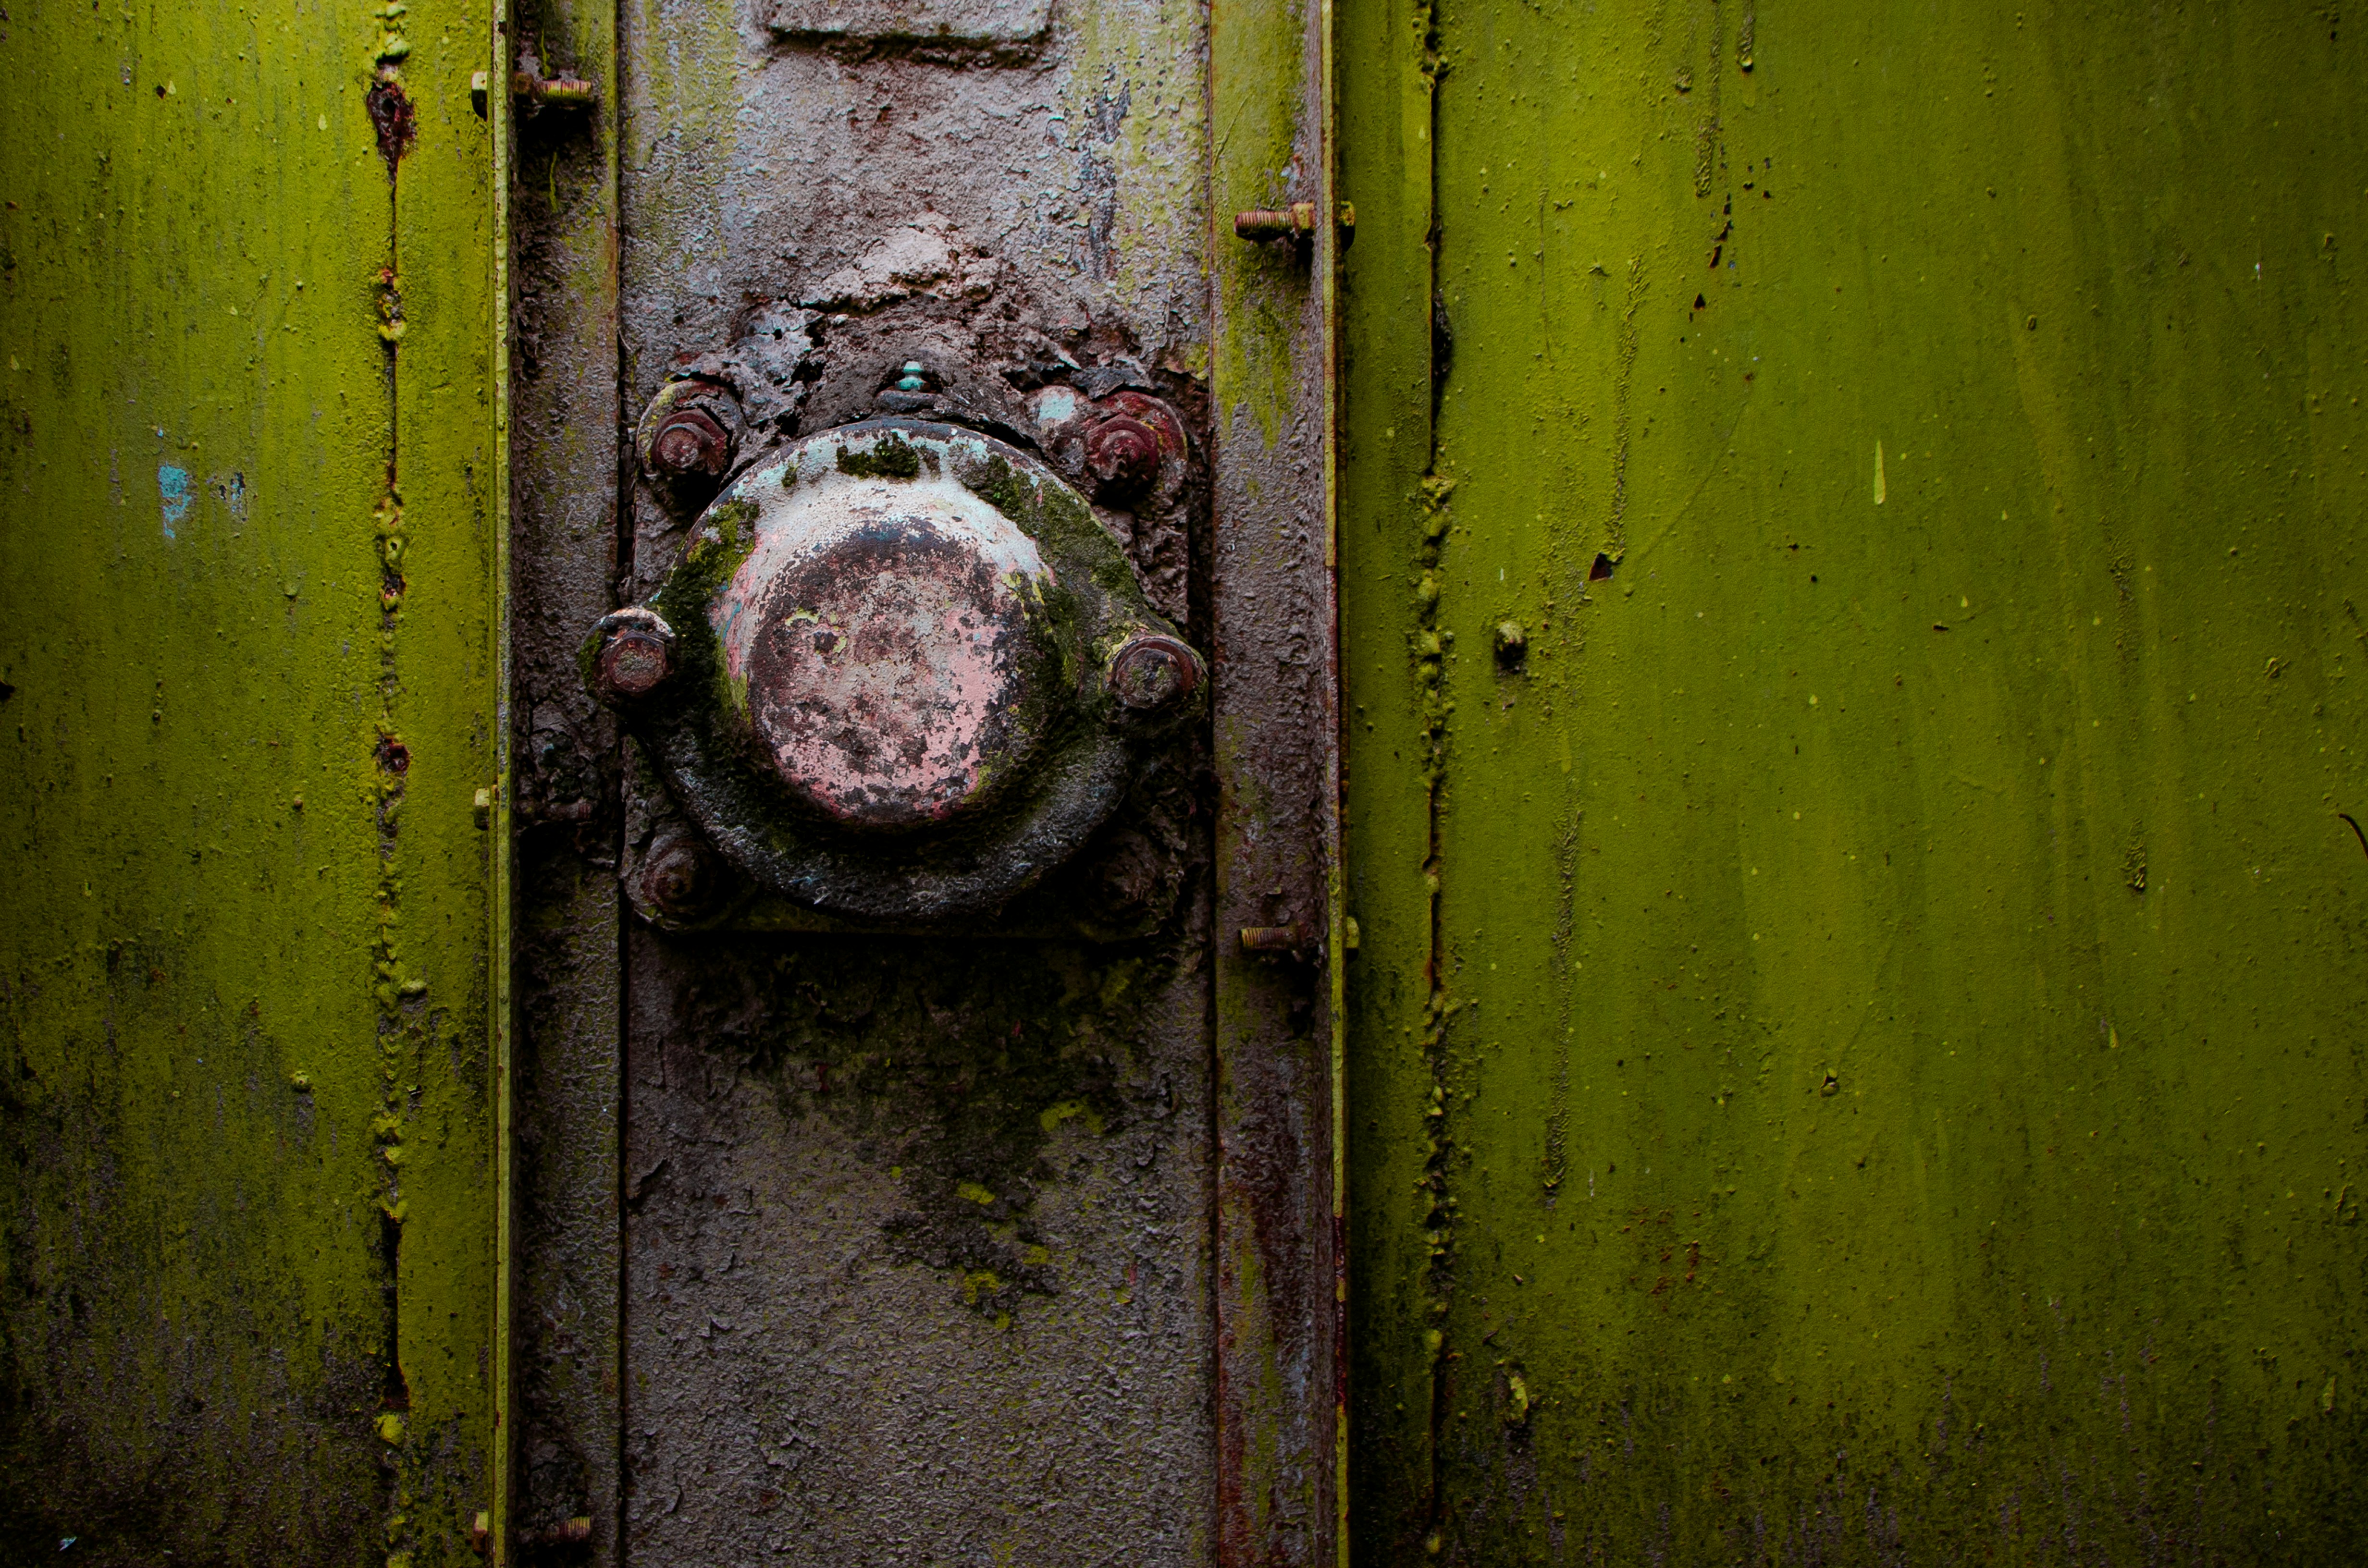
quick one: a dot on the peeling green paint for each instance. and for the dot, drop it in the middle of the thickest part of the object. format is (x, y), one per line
(1886, 1017)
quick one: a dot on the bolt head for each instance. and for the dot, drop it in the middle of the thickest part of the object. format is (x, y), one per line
(689, 442)
(1154, 673)
(1129, 436)
(1123, 451)
(633, 662)
(681, 879)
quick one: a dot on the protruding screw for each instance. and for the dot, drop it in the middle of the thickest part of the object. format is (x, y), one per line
(1276, 223)
(679, 880)
(634, 661)
(1274, 939)
(1153, 671)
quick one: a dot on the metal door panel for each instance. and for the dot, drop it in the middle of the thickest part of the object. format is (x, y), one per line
(251, 660)
(1852, 706)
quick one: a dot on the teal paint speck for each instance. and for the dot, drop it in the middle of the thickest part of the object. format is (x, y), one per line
(173, 485)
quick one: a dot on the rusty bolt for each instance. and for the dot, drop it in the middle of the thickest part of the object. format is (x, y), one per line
(1123, 452)
(1276, 223)
(679, 880)
(1274, 939)
(1153, 671)
(689, 440)
(690, 428)
(1128, 437)
(634, 661)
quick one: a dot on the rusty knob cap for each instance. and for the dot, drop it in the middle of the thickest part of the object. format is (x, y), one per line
(679, 880)
(634, 661)
(897, 646)
(890, 640)
(1155, 672)
(1129, 436)
(689, 440)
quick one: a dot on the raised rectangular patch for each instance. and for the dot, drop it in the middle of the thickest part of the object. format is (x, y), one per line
(969, 22)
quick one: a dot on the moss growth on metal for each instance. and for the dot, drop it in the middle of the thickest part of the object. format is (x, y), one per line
(890, 457)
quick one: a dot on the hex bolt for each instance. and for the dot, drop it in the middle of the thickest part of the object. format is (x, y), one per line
(634, 661)
(1153, 671)
(1129, 436)
(689, 442)
(679, 880)
(690, 429)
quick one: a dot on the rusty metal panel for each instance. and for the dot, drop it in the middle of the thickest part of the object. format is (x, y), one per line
(917, 1226)
(250, 669)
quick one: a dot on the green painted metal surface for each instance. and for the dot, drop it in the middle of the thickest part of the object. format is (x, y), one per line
(249, 632)
(1858, 1039)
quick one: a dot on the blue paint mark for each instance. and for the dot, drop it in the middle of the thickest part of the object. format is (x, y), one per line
(173, 485)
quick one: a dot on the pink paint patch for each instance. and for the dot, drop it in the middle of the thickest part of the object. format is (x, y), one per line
(886, 648)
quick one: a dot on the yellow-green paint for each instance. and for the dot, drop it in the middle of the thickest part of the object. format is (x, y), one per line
(249, 628)
(1259, 156)
(1893, 1089)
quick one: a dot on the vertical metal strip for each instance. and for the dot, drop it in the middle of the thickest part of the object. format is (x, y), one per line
(497, 121)
(1275, 674)
(1336, 922)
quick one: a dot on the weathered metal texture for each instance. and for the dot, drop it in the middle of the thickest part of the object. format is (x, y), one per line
(569, 459)
(1278, 1307)
(249, 668)
(1897, 944)
(918, 1228)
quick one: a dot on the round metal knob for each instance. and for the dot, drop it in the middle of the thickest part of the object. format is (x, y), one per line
(905, 671)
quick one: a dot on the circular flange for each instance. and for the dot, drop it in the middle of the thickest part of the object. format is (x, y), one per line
(907, 672)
